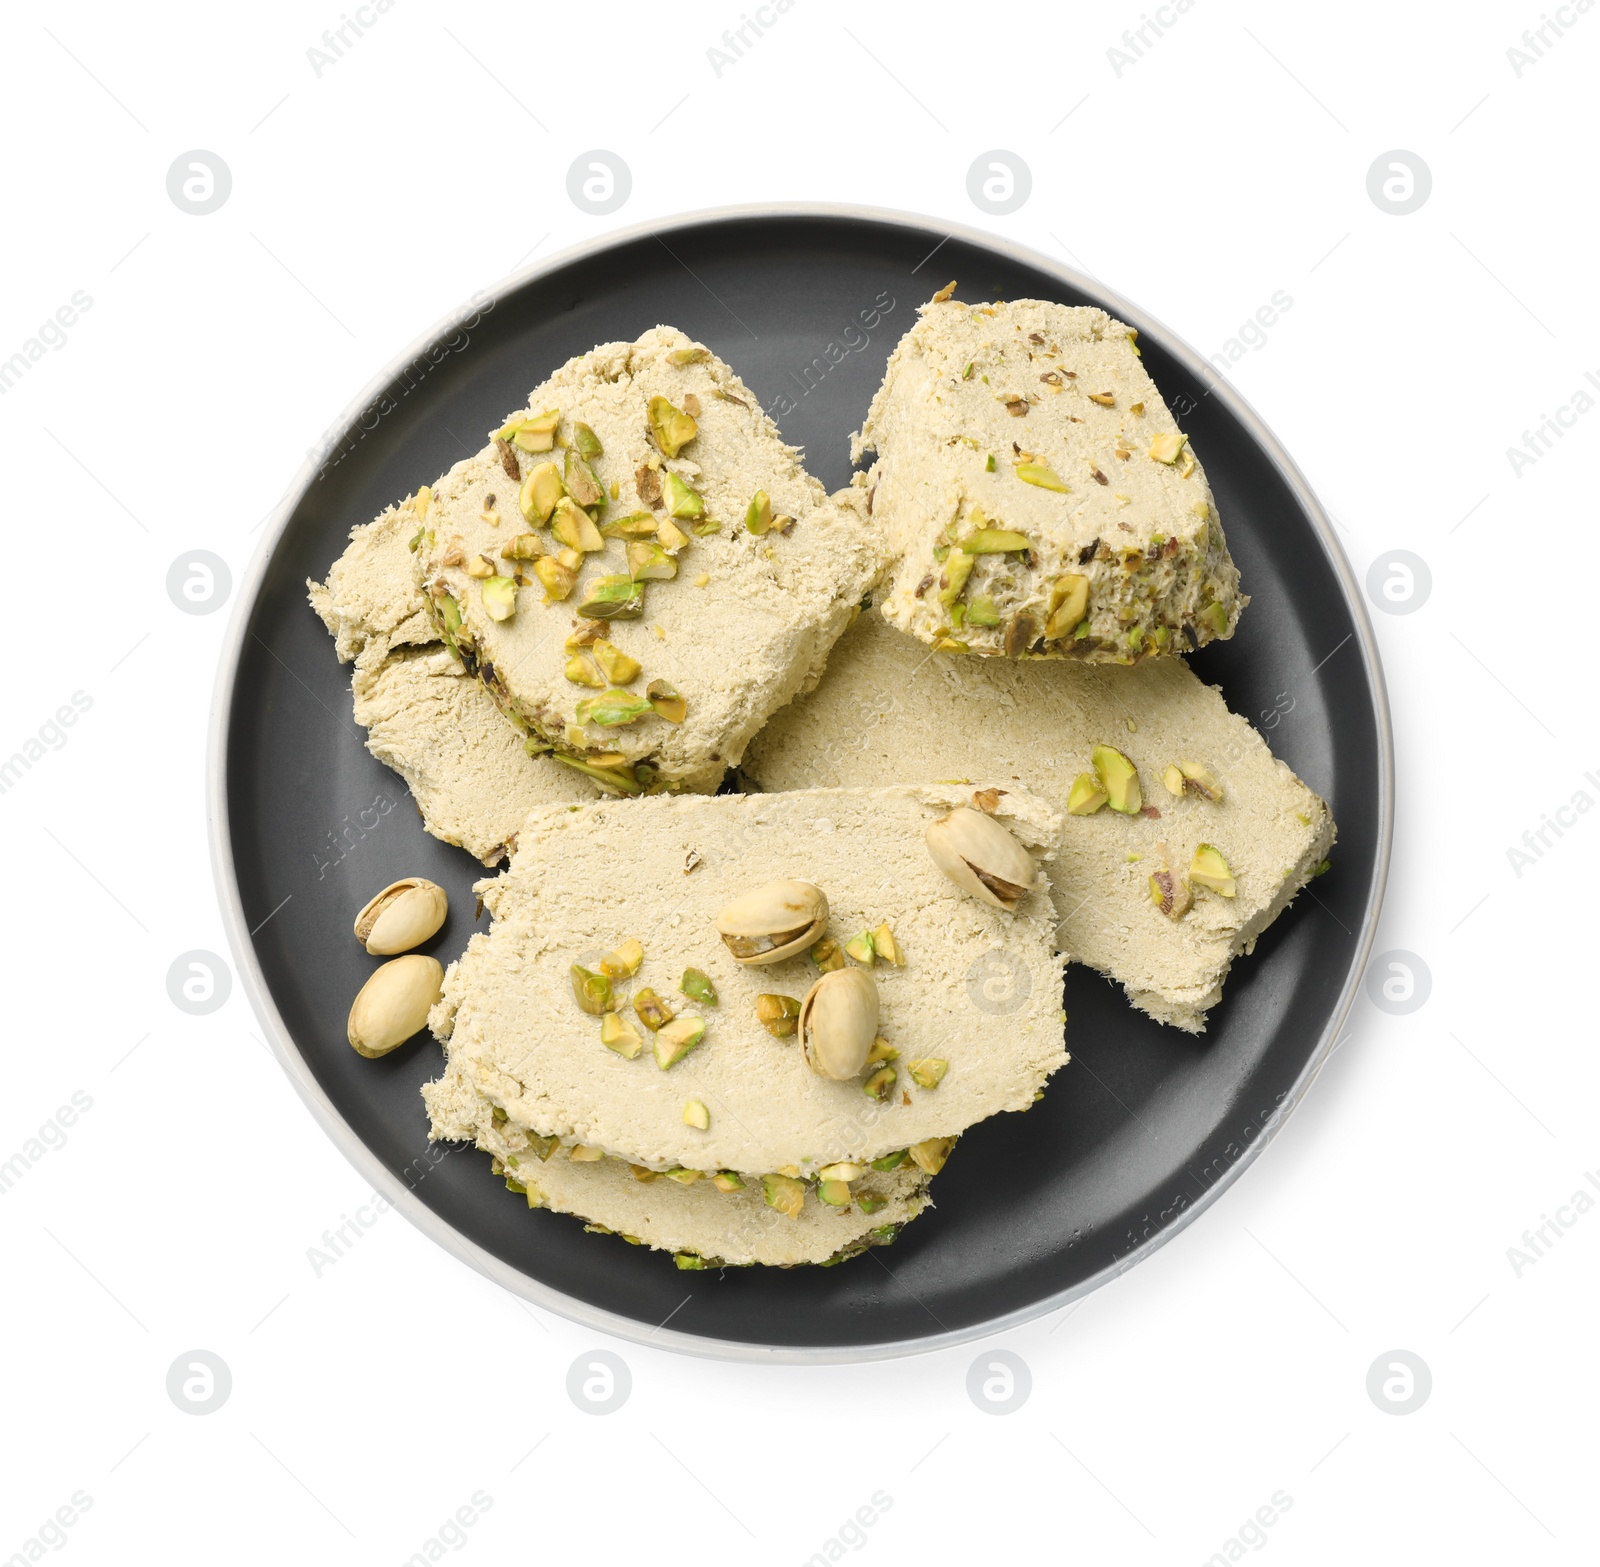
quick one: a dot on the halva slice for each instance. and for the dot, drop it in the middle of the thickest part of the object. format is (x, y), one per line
(889, 711)
(467, 768)
(1037, 495)
(638, 569)
(649, 955)
(700, 1222)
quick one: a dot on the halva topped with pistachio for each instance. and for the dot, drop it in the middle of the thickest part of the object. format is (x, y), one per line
(1037, 495)
(1184, 838)
(425, 716)
(785, 987)
(637, 568)
(705, 1221)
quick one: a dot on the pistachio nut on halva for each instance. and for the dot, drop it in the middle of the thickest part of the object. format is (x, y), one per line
(1184, 837)
(786, 987)
(705, 1220)
(1037, 496)
(638, 569)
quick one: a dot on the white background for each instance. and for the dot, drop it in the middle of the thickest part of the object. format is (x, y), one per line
(1227, 163)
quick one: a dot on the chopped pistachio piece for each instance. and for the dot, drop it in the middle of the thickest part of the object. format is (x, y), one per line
(869, 1204)
(860, 948)
(1208, 869)
(612, 708)
(886, 947)
(1168, 446)
(1069, 603)
(689, 1262)
(643, 1173)
(1119, 778)
(1172, 777)
(580, 671)
(672, 429)
(890, 1161)
(670, 536)
(592, 991)
(574, 527)
(681, 1176)
(953, 577)
(666, 701)
(677, 1039)
(835, 1193)
(878, 1085)
(827, 955)
(653, 1012)
(557, 578)
(779, 1015)
(542, 1147)
(1214, 615)
(881, 1051)
(615, 597)
(533, 433)
(1046, 478)
(929, 1156)
(450, 613)
(688, 356)
(1169, 892)
(1086, 797)
(480, 566)
(992, 541)
(727, 1181)
(525, 546)
(625, 960)
(585, 442)
(648, 562)
(582, 1154)
(622, 780)
(784, 1193)
(636, 525)
(540, 491)
(617, 1033)
(758, 515)
(696, 984)
(929, 1072)
(981, 611)
(619, 668)
(499, 598)
(683, 500)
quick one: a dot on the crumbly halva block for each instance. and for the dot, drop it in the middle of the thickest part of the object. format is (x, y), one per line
(466, 767)
(700, 1223)
(1037, 495)
(978, 989)
(638, 568)
(888, 711)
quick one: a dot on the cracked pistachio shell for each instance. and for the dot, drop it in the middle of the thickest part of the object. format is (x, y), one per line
(773, 922)
(981, 858)
(394, 1004)
(404, 915)
(838, 1023)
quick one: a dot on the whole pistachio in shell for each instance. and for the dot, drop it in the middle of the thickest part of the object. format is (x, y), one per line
(773, 922)
(838, 1023)
(982, 858)
(404, 915)
(394, 1004)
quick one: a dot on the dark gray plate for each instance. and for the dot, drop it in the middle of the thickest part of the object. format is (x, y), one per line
(1146, 1126)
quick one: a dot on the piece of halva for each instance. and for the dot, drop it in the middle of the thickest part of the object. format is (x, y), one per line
(888, 711)
(1037, 496)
